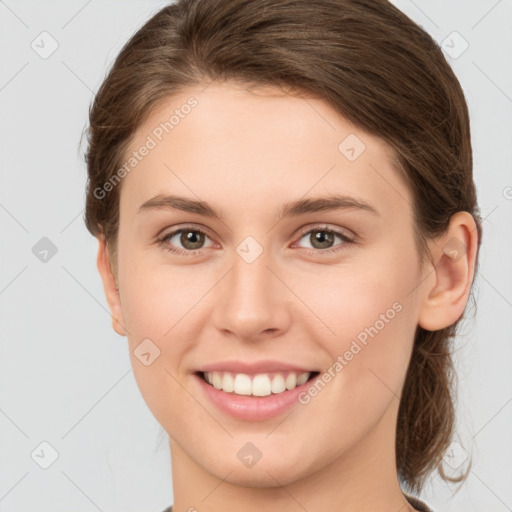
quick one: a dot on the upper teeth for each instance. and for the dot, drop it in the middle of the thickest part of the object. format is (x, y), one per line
(260, 384)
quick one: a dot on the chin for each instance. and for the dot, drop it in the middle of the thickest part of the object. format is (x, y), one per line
(272, 472)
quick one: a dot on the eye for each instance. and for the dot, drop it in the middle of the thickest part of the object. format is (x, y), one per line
(322, 238)
(190, 238)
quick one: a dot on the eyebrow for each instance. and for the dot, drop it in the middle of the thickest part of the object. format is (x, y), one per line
(293, 209)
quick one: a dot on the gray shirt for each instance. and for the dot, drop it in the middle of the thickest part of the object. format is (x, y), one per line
(415, 502)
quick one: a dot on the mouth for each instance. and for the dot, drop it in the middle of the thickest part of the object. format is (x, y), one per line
(258, 384)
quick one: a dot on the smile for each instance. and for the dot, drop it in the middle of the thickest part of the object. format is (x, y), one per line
(261, 384)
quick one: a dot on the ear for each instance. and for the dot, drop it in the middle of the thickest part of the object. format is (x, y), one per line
(447, 291)
(110, 287)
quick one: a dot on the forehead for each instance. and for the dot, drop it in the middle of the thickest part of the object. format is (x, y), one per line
(266, 145)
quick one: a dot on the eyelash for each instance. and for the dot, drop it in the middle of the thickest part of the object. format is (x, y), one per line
(321, 228)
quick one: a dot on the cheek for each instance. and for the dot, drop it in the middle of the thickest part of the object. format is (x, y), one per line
(158, 312)
(372, 318)
(157, 299)
(158, 319)
(366, 291)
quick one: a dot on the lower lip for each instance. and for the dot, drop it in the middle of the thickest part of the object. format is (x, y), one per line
(253, 408)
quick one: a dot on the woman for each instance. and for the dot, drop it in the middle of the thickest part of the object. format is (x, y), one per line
(288, 234)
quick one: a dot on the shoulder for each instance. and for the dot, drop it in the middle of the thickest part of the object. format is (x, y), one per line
(415, 502)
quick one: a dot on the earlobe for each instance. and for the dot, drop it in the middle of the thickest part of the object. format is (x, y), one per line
(110, 287)
(454, 255)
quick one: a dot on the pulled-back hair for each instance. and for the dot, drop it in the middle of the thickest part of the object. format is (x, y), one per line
(374, 66)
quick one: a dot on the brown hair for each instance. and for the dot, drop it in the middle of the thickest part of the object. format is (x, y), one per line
(374, 66)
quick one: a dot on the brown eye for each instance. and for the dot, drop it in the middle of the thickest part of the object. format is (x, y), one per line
(184, 241)
(322, 239)
(191, 239)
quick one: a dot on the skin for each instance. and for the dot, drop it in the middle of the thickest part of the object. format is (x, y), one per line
(247, 153)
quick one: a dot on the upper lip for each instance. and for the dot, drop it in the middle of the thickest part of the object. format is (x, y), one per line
(263, 366)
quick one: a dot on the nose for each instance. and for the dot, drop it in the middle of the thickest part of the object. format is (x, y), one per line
(252, 302)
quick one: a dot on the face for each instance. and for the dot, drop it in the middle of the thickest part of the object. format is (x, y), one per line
(302, 266)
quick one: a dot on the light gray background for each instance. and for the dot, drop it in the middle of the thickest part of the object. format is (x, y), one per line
(65, 375)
